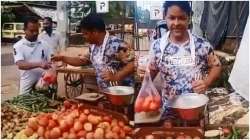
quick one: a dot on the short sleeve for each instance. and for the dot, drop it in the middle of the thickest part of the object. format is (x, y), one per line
(18, 54)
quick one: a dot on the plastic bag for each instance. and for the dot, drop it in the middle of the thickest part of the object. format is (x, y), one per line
(148, 99)
(41, 85)
(48, 78)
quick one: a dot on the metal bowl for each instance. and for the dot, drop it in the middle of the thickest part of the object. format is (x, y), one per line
(120, 95)
(189, 106)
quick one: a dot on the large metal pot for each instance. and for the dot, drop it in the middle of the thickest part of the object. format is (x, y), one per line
(189, 106)
(120, 95)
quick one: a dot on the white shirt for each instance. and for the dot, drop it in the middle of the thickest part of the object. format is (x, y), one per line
(30, 52)
(54, 41)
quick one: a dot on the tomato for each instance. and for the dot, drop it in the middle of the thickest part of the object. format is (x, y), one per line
(226, 131)
(65, 135)
(40, 131)
(86, 111)
(47, 134)
(109, 135)
(66, 104)
(127, 129)
(72, 135)
(107, 119)
(74, 106)
(55, 133)
(145, 105)
(90, 135)
(153, 106)
(115, 135)
(78, 126)
(121, 124)
(157, 99)
(69, 121)
(54, 116)
(116, 129)
(75, 113)
(43, 121)
(50, 76)
(63, 125)
(138, 104)
(81, 134)
(83, 118)
(122, 134)
(51, 124)
(94, 119)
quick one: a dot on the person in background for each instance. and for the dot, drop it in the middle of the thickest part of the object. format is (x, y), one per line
(31, 56)
(50, 37)
(104, 47)
(186, 62)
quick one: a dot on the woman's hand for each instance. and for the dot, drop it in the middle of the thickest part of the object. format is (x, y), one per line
(108, 76)
(200, 86)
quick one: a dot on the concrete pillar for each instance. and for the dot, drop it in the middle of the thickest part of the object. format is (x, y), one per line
(63, 22)
(197, 8)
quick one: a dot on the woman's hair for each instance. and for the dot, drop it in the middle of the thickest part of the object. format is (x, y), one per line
(184, 5)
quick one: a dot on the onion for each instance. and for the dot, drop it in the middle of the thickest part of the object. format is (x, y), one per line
(28, 131)
(32, 123)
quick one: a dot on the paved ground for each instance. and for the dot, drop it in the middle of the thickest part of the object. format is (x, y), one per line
(10, 73)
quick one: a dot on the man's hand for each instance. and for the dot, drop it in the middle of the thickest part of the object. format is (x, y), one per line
(45, 65)
(200, 86)
(108, 76)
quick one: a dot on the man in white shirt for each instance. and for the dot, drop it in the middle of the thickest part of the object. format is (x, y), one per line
(50, 37)
(31, 56)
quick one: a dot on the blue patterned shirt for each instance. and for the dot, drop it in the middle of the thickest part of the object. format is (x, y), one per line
(181, 77)
(109, 60)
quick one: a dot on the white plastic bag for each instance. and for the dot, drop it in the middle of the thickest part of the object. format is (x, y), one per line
(148, 99)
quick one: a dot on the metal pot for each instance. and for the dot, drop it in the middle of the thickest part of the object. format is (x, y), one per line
(189, 106)
(120, 95)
